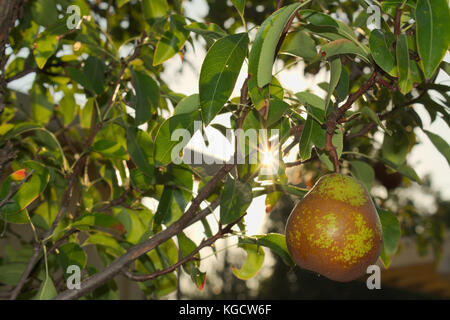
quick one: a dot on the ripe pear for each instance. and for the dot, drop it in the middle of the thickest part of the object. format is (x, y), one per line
(335, 229)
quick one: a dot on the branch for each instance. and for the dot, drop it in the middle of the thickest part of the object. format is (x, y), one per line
(114, 202)
(10, 11)
(355, 96)
(279, 4)
(337, 114)
(138, 250)
(372, 125)
(187, 219)
(299, 162)
(397, 21)
(205, 243)
(62, 240)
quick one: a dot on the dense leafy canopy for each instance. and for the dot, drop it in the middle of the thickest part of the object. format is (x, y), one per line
(94, 135)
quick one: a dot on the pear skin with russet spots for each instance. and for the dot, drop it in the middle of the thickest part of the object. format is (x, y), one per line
(335, 229)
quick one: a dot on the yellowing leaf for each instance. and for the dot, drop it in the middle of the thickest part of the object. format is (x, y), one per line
(253, 263)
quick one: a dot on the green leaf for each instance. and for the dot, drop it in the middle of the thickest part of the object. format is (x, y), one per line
(444, 66)
(172, 40)
(272, 200)
(210, 31)
(239, 5)
(236, 198)
(363, 172)
(343, 86)
(22, 255)
(86, 113)
(344, 46)
(105, 240)
(260, 97)
(94, 70)
(301, 44)
(110, 149)
(68, 108)
(403, 64)
(440, 144)
(154, 8)
(10, 273)
(120, 3)
(164, 143)
(404, 170)
(395, 147)
(262, 54)
(44, 47)
(306, 139)
(391, 235)
(276, 110)
(133, 224)
(92, 77)
(26, 127)
(163, 213)
(318, 18)
(253, 263)
(47, 290)
(44, 12)
(381, 47)
(71, 254)
(147, 96)
(41, 103)
(140, 180)
(188, 105)
(373, 116)
(433, 33)
(97, 219)
(312, 133)
(335, 75)
(275, 242)
(219, 73)
(186, 246)
(308, 98)
(140, 149)
(175, 196)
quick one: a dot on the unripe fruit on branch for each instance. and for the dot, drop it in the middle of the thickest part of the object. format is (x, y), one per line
(335, 229)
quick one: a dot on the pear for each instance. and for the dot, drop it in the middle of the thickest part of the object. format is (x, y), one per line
(335, 229)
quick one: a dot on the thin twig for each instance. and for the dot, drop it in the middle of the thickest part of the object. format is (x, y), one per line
(372, 125)
(205, 243)
(62, 240)
(279, 4)
(397, 21)
(299, 162)
(114, 202)
(338, 113)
